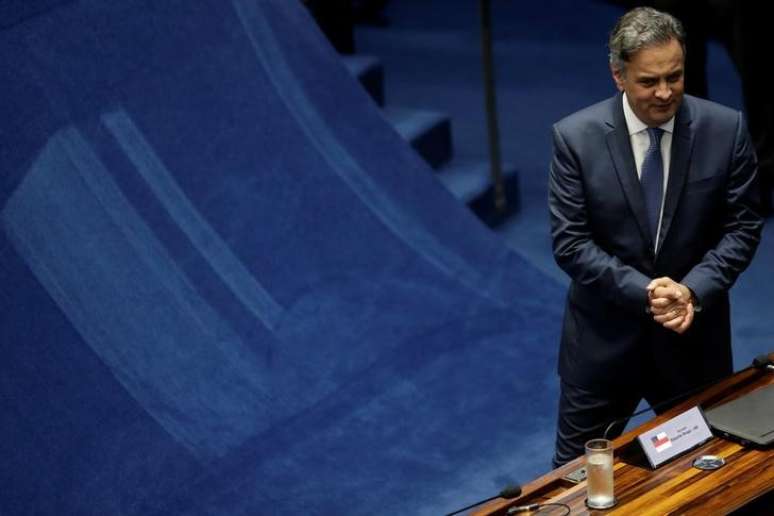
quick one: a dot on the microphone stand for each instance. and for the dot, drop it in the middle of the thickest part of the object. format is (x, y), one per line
(507, 493)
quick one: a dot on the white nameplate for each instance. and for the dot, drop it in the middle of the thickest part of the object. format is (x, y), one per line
(674, 437)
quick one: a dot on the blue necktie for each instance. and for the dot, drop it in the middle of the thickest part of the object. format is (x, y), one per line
(652, 179)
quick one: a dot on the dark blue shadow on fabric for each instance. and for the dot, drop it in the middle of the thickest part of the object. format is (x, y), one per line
(228, 287)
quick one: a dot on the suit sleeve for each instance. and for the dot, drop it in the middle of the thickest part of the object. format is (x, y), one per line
(718, 269)
(573, 243)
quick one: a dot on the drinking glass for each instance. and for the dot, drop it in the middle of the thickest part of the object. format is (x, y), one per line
(599, 474)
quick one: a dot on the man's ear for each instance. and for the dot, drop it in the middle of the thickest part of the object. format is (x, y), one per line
(617, 77)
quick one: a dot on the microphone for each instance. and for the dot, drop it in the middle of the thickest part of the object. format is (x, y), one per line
(763, 362)
(509, 492)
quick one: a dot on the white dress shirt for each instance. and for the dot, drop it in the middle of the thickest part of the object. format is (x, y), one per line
(640, 141)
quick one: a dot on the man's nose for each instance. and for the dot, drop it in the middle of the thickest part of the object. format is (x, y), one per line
(663, 91)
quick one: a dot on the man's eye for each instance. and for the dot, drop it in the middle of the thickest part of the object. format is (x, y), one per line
(648, 82)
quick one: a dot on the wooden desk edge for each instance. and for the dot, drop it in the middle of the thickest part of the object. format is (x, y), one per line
(725, 390)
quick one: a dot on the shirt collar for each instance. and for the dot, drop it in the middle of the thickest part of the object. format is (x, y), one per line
(635, 125)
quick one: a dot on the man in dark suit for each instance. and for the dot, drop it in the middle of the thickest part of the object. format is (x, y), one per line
(654, 213)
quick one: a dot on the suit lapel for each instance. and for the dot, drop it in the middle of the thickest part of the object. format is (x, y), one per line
(620, 147)
(682, 146)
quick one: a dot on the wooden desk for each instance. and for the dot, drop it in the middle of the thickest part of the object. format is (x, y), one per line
(745, 483)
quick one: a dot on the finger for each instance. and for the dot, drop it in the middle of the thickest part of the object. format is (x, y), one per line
(671, 292)
(661, 291)
(674, 324)
(661, 306)
(675, 303)
(685, 323)
(665, 318)
(670, 314)
(687, 320)
(663, 314)
(665, 303)
(659, 282)
(669, 317)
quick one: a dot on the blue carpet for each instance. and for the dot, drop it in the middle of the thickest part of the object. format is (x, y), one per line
(229, 287)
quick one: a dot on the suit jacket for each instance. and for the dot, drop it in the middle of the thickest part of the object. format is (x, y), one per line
(710, 228)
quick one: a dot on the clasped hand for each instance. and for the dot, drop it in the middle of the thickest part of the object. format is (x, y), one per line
(671, 304)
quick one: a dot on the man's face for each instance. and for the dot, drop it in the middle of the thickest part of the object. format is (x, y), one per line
(654, 82)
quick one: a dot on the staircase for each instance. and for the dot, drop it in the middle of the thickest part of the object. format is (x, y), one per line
(430, 134)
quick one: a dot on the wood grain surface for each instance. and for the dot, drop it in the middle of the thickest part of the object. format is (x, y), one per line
(744, 485)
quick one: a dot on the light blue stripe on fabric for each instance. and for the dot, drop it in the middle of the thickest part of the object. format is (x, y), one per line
(340, 161)
(129, 301)
(206, 240)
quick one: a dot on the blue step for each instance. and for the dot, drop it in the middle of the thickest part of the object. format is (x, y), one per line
(471, 182)
(428, 132)
(368, 70)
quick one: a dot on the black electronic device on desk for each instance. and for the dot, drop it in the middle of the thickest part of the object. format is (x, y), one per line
(748, 419)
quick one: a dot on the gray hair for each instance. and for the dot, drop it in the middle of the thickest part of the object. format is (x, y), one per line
(639, 28)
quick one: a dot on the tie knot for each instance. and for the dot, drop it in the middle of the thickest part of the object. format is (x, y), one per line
(655, 134)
